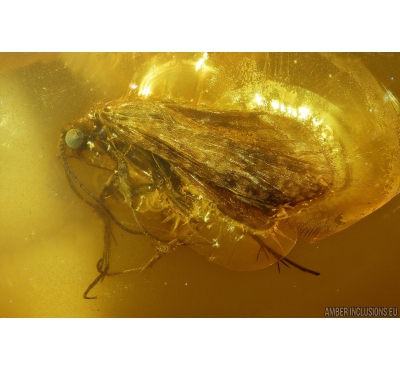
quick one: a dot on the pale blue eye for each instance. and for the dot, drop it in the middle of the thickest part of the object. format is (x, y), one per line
(74, 138)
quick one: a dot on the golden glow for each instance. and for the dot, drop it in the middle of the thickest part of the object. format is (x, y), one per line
(259, 99)
(316, 122)
(304, 112)
(201, 61)
(275, 104)
(292, 111)
(41, 283)
(390, 97)
(216, 243)
(145, 91)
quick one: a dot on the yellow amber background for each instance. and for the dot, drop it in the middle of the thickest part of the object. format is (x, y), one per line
(50, 241)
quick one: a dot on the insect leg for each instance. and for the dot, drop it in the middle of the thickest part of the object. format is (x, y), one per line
(263, 250)
(104, 263)
(71, 176)
(283, 259)
(158, 254)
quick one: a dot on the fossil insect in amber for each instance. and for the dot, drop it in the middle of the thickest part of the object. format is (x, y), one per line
(237, 155)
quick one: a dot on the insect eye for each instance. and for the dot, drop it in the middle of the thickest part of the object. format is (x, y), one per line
(74, 138)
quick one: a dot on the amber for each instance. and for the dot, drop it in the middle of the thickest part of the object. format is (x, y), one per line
(338, 113)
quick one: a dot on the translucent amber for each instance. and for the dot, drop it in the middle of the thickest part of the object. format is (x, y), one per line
(262, 148)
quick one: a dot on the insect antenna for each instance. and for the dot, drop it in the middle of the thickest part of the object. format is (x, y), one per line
(71, 176)
(103, 264)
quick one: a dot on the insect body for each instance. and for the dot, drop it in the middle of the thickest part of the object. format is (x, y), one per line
(237, 183)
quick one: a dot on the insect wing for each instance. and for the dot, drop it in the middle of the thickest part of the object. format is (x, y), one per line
(241, 159)
(242, 163)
